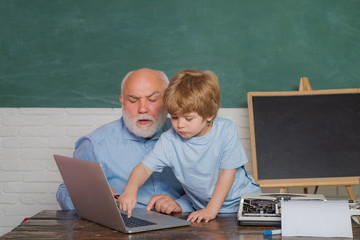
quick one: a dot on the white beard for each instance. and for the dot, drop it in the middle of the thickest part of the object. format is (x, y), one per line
(144, 131)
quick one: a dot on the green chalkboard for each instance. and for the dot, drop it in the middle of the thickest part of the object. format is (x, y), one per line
(74, 53)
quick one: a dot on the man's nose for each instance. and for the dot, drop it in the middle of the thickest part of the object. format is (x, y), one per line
(143, 106)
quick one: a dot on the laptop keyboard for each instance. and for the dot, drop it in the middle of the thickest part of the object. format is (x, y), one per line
(135, 222)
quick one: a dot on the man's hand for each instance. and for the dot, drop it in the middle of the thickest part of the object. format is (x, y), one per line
(113, 191)
(203, 214)
(127, 202)
(163, 204)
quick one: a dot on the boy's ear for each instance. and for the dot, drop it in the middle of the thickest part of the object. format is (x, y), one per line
(209, 119)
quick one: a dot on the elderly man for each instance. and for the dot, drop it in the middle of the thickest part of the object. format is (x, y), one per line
(120, 145)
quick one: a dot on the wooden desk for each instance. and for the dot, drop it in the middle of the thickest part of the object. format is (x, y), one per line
(50, 224)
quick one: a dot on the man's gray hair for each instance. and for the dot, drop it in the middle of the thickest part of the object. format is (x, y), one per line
(165, 78)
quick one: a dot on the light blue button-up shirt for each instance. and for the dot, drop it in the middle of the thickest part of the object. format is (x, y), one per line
(119, 151)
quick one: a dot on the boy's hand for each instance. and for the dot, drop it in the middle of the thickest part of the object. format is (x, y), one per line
(203, 214)
(127, 202)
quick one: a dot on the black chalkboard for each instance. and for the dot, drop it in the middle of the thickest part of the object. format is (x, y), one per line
(316, 135)
(73, 53)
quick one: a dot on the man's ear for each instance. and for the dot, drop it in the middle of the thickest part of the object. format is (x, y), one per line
(120, 100)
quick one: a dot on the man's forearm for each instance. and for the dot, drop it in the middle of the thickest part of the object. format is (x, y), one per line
(184, 203)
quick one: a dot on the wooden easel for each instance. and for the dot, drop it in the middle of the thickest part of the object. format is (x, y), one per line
(305, 86)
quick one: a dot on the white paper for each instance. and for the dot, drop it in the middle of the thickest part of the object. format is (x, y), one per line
(316, 218)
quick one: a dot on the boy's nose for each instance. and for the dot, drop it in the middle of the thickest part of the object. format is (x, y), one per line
(180, 123)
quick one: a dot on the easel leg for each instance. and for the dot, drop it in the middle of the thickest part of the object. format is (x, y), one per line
(350, 192)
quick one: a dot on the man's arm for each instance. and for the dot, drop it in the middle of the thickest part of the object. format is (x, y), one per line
(222, 188)
(185, 204)
(127, 200)
(63, 198)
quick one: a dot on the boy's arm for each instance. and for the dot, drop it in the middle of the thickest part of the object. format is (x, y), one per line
(222, 188)
(127, 200)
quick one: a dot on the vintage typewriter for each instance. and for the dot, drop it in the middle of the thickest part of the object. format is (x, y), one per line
(265, 209)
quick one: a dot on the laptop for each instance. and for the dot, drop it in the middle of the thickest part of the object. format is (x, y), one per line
(94, 201)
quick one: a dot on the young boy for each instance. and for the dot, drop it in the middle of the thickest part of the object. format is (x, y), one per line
(204, 151)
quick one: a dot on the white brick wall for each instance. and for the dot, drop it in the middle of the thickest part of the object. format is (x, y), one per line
(29, 137)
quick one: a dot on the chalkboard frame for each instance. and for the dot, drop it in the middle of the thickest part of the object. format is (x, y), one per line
(295, 182)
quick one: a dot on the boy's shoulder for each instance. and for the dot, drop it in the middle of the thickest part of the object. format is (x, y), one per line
(224, 123)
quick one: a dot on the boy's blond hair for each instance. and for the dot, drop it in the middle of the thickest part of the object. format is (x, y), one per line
(192, 90)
